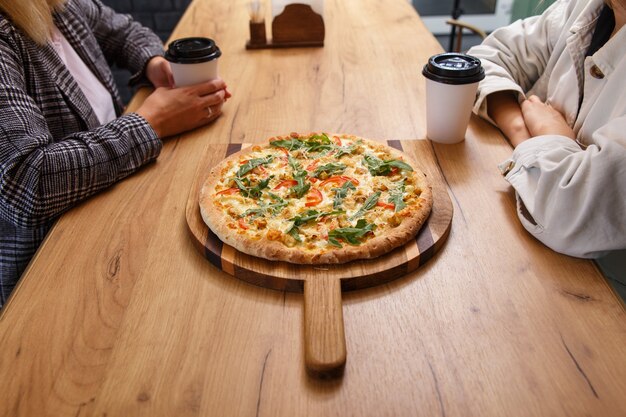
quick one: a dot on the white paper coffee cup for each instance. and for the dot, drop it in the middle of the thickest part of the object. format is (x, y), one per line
(193, 60)
(451, 84)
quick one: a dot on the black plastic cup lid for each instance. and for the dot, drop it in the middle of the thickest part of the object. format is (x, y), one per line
(192, 51)
(454, 68)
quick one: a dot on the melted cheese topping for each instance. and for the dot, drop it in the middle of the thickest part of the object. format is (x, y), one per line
(272, 213)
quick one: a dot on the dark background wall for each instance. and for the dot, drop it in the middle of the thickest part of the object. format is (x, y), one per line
(159, 15)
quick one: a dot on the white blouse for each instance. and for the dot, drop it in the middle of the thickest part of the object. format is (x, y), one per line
(98, 96)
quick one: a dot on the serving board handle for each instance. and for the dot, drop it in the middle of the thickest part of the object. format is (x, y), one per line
(324, 338)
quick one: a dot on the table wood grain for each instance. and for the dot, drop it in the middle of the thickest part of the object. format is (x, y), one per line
(120, 315)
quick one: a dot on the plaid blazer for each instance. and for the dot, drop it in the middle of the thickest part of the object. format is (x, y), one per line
(53, 150)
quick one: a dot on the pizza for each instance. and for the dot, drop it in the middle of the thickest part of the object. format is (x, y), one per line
(316, 199)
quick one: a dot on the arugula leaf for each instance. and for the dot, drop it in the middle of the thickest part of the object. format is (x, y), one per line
(399, 164)
(289, 144)
(333, 241)
(274, 209)
(346, 150)
(253, 192)
(295, 233)
(242, 184)
(294, 164)
(329, 169)
(254, 213)
(299, 174)
(396, 197)
(265, 208)
(341, 193)
(352, 235)
(302, 187)
(323, 137)
(369, 204)
(309, 215)
(377, 166)
(314, 143)
(253, 163)
(317, 143)
(276, 198)
(373, 164)
(313, 215)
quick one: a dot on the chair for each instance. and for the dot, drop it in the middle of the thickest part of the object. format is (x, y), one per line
(520, 10)
(458, 27)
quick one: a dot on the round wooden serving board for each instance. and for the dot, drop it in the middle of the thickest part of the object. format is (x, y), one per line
(325, 352)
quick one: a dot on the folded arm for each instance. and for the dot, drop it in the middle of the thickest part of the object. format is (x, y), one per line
(514, 57)
(572, 199)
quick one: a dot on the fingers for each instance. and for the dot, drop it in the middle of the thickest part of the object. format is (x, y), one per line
(543, 119)
(208, 87)
(159, 72)
(210, 93)
(189, 97)
(167, 69)
(213, 113)
(213, 99)
(524, 104)
(166, 78)
(535, 104)
(531, 103)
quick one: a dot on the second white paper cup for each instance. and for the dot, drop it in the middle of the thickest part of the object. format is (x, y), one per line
(451, 82)
(448, 110)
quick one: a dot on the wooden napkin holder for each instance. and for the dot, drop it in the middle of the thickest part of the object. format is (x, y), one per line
(297, 26)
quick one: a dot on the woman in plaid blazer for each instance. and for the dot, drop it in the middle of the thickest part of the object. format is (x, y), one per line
(54, 152)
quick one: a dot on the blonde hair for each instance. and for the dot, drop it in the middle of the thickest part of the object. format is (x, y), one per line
(33, 17)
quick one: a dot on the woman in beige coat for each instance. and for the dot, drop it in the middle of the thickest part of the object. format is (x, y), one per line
(555, 86)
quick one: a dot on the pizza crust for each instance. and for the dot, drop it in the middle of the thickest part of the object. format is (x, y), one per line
(274, 250)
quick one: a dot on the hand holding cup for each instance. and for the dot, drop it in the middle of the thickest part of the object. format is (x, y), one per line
(171, 111)
(189, 65)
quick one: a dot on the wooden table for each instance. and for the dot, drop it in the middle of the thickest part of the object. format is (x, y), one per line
(120, 315)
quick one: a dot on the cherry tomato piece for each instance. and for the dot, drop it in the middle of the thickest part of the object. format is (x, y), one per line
(312, 166)
(339, 180)
(313, 198)
(242, 223)
(386, 205)
(228, 191)
(286, 183)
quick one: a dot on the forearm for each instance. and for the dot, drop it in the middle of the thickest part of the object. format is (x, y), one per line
(505, 111)
(42, 179)
(571, 196)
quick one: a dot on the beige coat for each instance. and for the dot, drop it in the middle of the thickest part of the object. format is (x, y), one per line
(574, 193)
